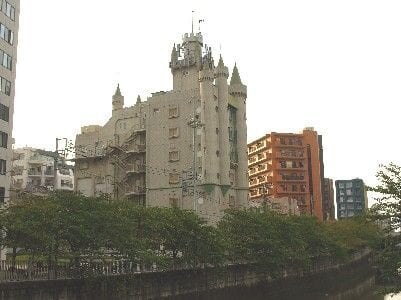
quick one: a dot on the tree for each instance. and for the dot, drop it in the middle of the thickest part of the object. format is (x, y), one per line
(387, 213)
(184, 237)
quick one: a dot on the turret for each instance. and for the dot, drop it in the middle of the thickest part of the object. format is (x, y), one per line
(239, 92)
(221, 74)
(118, 100)
(186, 61)
(209, 137)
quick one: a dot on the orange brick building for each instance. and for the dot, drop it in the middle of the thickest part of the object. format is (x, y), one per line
(288, 164)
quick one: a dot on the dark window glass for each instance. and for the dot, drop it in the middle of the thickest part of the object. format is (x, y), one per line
(4, 113)
(2, 193)
(3, 139)
(3, 167)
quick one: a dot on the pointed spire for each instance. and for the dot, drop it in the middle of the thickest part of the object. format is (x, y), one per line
(221, 63)
(235, 78)
(138, 99)
(118, 92)
(174, 55)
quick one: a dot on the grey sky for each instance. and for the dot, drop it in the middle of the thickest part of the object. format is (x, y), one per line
(334, 65)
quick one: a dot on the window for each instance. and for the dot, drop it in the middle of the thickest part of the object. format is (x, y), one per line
(3, 139)
(83, 165)
(303, 188)
(4, 113)
(5, 86)
(173, 155)
(6, 34)
(282, 141)
(3, 167)
(174, 178)
(173, 111)
(348, 192)
(341, 185)
(2, 194)
(6, 60)
(231, 201)
(173, 202)
(173, 132)
(348, 185)
(300, 164)
(8, 9)
(294, 188)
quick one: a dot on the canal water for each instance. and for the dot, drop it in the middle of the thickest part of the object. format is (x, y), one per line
(356, 285)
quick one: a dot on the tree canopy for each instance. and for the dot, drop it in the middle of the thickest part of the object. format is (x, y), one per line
(387, 213)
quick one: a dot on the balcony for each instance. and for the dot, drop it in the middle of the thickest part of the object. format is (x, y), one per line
(34, 173)
(292, 177)
(136, 190)
(49, 173)
(259, 146)
(136, 149)
(135, 168)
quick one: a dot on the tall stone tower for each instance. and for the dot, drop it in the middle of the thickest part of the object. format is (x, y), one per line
(239, 92)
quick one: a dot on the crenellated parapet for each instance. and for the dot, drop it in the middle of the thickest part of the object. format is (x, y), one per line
(192, 37)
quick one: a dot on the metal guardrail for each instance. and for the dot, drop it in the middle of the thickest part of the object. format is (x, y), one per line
(40, 271)
(68, 270)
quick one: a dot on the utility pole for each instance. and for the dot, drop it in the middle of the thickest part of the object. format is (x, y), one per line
(194, 123)
(56, 159)
(266, 187)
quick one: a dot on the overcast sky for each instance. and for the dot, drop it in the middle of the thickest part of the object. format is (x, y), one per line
(333, 65)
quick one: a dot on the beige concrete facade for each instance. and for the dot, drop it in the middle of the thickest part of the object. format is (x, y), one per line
(148, 152)
(9, 21)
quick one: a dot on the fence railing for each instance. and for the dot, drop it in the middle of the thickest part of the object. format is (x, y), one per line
(41, 271)
(88, 269)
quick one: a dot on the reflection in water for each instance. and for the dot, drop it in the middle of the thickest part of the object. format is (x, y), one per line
(393, 297)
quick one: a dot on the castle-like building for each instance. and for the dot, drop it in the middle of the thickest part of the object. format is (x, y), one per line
(186, 147)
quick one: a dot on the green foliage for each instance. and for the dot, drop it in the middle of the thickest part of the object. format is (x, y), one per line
(275, 241)
(70, 227)
(387, 213)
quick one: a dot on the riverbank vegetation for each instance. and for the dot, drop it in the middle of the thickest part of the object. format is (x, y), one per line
(387, 213)
(71, 228)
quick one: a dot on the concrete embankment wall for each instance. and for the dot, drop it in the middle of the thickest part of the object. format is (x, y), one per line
(231, 282)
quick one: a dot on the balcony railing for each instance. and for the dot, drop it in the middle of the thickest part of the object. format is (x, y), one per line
(34, 173)
(293, 177)
(136, 190)
(135, 168)
(136, 148)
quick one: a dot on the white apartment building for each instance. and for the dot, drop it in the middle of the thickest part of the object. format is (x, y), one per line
(9, 16)
(33, 171)
(185, 147)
